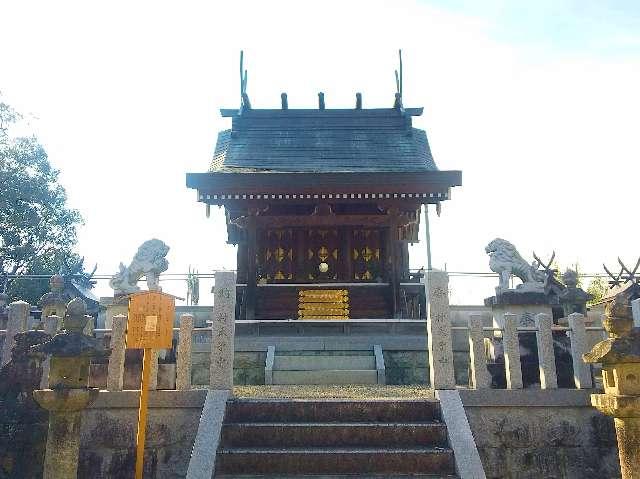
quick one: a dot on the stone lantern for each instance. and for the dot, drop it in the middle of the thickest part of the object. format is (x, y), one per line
(55, 301)
(620, 358)
(71, 352)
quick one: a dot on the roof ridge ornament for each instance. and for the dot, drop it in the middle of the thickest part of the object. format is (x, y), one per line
(398, 101)
(245, 104)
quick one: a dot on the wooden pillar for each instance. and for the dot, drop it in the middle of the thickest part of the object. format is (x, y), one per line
(252, 240)
(347, 259)
(392, 247)
(301, 254)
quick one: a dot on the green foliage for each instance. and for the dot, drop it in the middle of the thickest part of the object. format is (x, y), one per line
(37, 229)
(597, 288)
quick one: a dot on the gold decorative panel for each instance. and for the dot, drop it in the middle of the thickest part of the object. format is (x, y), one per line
(323, 304)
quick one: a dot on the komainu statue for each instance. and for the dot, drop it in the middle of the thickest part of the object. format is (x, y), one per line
(505, 260)
(149, 261)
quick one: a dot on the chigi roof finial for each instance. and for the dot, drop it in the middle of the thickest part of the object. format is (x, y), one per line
(245, 104)
(398, 101)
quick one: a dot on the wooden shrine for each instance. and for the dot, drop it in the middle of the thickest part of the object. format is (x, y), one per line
(324, 199)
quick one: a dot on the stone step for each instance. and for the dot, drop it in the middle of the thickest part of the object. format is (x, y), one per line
(315, 363)
(335, 461)
(333, 435)
(326, 377)
(332, 410)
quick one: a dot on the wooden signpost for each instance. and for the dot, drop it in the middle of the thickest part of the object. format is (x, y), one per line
(149, 327)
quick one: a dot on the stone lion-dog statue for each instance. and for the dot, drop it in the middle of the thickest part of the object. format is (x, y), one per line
(149, 262)
(505, 260)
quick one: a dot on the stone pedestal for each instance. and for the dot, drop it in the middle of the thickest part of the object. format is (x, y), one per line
(223, 331)
(63, 441)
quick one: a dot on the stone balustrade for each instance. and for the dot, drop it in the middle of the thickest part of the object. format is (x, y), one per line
(439, 329)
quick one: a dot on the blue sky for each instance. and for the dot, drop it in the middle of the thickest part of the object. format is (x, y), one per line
(536, 102)
(558, 27)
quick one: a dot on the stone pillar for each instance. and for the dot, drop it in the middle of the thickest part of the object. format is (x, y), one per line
(578, 335)
(546, 356)
(153, 372)
(480, 378)
(511, 345)
(223, 331)
(16, 323)
(439, 332)
(115, 372)
(50, 327)
(63, 440)
(635, 310)
(183, 361)
(628, 436)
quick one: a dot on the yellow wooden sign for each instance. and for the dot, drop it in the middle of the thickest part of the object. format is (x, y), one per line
(150, 323)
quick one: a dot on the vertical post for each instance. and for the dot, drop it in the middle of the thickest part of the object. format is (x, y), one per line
(546, 356)
(252, 245)
(223, 331)
(427, 235)
(148, 357)
(16, 323)
(183, 361)
(512, 366)
(50, 328)
(581, 370)
(439, 332)
(392, 260)
(635, 310)
(480, 378)
(115, 371)
(153, 369)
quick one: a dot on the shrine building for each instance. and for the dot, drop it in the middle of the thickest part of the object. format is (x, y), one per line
(323, 204)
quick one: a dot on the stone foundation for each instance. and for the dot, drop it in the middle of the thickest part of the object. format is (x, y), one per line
(541, 434)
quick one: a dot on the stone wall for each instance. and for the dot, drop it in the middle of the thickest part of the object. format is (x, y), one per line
(109, 429)
(248, 368)
(551, 434)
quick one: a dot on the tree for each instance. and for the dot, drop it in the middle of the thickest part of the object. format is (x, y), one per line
(37, 228)
(597, 288)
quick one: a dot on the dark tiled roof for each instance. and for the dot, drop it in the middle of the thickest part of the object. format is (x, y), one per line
(376, 140)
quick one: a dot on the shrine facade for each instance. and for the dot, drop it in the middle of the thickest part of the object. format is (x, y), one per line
(323, 204)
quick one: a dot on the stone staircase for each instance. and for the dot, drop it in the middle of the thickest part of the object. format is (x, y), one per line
(288, 438)
(313, 367)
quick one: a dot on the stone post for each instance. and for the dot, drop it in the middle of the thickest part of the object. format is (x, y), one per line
(50, 327)
(153, 371)
(183, 361)
(581, 370)
(16, 323)
(223, 331)
(439, 332)
(546, 356)
(480, 378)
(635, 311)
(511, 345)
(115, 371)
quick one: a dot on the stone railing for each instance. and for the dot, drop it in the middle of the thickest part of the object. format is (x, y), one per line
(439, 327)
